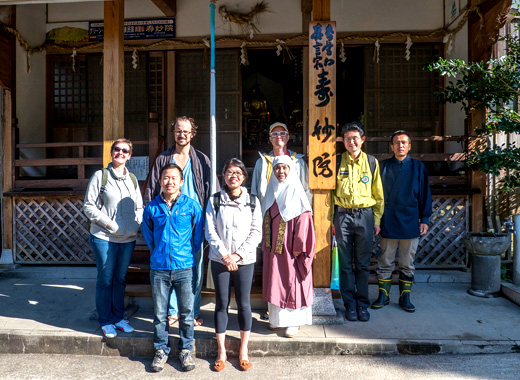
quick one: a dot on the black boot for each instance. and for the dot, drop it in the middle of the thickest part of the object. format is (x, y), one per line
(384, 293)
(405, 287)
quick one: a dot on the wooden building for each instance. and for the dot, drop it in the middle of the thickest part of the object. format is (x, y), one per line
(66, 95)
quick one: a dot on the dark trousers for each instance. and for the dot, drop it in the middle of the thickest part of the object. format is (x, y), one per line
(354, 234)
(243, 280)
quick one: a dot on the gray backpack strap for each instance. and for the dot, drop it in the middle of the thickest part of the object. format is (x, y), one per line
(252, 203)
(216, 202)
(372, 163)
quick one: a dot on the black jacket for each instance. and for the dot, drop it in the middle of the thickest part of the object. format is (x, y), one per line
(201, 167)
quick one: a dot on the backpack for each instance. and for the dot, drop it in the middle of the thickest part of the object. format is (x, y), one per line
(102, 189)
(371, 163)
(216, 202)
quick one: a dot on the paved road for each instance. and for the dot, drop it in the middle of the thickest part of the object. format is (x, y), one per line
(440, 367)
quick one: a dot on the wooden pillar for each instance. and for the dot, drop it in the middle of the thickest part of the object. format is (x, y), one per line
(113, 76)
(306, 14)
(322, 139)
(7, 172)
(482, 34)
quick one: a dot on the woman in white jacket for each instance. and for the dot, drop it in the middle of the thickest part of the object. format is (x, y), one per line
(114, 206)
(233, 230)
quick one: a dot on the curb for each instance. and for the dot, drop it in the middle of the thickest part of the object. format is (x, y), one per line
(87, 344)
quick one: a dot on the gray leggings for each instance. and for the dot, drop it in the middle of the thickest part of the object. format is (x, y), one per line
(242, 279)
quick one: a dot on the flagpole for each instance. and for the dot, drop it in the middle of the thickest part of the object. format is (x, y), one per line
(212, 102)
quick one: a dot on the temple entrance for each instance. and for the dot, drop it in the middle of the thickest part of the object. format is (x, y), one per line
(272, 90)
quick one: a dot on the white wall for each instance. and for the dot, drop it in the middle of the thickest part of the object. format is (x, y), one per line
(387, 15)
(30, 87)
(454, 115)
(193, 16)
(284, 16)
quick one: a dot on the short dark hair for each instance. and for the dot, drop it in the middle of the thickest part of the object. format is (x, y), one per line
(189, 120)
(122, 140)
(235, 162)
(171, 166)
(399, 133)
(353, 126)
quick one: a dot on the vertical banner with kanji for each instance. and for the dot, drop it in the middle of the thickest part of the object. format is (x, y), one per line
(322, 105)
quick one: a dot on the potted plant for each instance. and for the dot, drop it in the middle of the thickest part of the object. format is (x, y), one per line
(491, 88)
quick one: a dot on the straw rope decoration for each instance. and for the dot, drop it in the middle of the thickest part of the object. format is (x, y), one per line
(245, 21)
(238, 18)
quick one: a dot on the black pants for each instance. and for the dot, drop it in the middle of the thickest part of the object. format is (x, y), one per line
(242, 280)
(354, 234)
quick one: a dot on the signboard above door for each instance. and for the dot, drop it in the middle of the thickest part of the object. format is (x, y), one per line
(137, 29)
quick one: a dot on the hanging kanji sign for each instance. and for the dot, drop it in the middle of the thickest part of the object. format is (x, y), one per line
(322, 105)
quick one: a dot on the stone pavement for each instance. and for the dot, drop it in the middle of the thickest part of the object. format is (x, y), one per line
(46, 310)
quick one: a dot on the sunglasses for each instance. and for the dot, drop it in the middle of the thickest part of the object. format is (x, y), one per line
(124, 150)
(281, 133)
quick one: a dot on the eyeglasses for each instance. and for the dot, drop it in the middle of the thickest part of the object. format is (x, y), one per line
(184, 133)
(281, 133)
(124, 150)
(353, 139)
(229, 173)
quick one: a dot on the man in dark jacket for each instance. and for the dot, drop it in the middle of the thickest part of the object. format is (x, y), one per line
(172, 228)
(408, 207)
(196, 170)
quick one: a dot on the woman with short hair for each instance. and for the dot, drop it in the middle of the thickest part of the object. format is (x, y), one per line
(114, 207)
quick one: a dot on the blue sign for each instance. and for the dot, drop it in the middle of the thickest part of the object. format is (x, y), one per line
(137, 29)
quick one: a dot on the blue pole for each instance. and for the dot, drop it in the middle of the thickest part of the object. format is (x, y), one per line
(212, 102)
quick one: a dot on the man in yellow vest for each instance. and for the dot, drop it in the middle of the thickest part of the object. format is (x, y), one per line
(359, 205)
(278, 137)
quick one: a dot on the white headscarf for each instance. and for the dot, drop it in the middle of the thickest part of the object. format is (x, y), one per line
(289, 194)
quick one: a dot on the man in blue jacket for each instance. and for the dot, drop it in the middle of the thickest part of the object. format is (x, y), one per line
(172, 228)
(408, 207)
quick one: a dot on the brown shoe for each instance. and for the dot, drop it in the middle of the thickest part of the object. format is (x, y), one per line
(219, 365)
(245, 365)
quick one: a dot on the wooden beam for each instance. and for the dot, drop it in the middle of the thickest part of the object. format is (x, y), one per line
(58, 161)
(483, 34)
(113, 76)
(306, 14)
(321, 10)
(168, 7)
(7, 172)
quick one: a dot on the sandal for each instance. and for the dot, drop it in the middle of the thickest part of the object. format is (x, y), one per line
(198, 321)
(245, 365)
(219, 365)
(172, 320)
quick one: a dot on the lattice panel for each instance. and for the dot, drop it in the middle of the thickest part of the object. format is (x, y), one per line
(51, 231)
(442, 246)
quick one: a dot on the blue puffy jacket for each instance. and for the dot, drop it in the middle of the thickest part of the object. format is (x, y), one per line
(173, 236)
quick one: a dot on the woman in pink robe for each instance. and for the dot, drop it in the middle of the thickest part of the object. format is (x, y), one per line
(288, 245)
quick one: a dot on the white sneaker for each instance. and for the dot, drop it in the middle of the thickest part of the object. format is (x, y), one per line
(109, 331)
(292, 331)
(124, 326)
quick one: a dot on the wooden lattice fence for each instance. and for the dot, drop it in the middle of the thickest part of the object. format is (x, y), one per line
(51, 230)
(442, 246)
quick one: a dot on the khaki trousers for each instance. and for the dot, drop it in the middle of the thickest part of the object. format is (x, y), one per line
(407, 249)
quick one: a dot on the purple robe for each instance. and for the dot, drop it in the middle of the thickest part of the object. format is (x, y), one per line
(287, 281)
